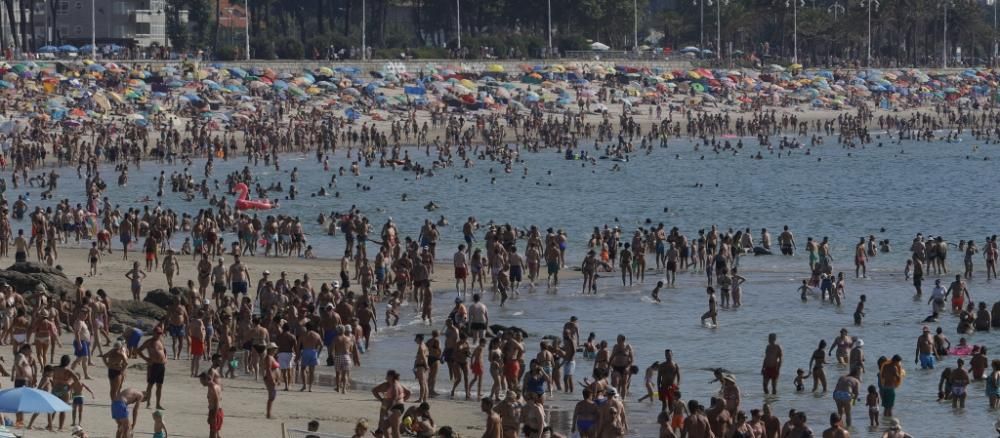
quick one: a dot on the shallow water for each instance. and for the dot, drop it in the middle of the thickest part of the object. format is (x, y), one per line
(931, 188)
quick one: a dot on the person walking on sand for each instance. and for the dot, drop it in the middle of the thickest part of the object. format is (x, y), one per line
(461, 264)
(135, 276)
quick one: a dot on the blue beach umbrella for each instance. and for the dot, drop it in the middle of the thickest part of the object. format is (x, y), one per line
(30, 400)
(68, 48)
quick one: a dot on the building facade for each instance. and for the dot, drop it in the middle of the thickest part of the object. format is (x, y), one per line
(128, 23)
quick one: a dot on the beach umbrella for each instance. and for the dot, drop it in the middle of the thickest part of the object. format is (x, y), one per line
(48, 49)
(87, 48)
(6, 85)
(30, 400)
(495, 68)
(690, 49)
(96, 68)
(599, 46)
(68, 49)
(11, 126)
(325, 71)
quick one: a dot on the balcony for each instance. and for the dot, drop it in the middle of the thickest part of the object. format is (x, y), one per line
(144, 15)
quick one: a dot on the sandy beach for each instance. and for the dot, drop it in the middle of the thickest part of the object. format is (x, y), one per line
(243, 398)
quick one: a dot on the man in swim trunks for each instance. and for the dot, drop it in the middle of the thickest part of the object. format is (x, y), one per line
(461, 265)
(196, 329)
(155, 354)
(215, 413)
(926, 355)
(119, 410)
(668, 379)
(238, 277)
(959, 381)
(771, 369)
(891, 376)
(310, 345)
(177, 320)
(342, 361)
(287, 345)
(585, 416)
(959, 292)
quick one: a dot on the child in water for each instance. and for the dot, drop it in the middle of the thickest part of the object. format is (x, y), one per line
(859, 312)
(805, 289)
(656, 291)
(872, 402)
(650, 381)
(800, 378)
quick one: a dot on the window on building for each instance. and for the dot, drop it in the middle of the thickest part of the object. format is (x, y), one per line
(41, 8)
(79, 5)
(64, 7)
(77, 30)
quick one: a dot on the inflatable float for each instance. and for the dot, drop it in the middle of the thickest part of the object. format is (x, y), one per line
(243, 201)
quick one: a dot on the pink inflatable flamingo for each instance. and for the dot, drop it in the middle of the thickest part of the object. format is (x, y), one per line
(243, 201)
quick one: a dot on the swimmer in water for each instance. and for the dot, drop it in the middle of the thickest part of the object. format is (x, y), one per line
(656, 291)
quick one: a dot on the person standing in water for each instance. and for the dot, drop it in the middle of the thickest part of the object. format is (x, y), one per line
(771, 369)
(713, 309)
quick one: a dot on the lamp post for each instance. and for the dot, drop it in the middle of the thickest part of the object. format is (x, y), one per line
(247, 26)
(701, 24)
(868, 5)
(944, 48)
(718, 27)
(93, 30)
(635, 26)
(550, 26)
(795, 27)
(364, 28)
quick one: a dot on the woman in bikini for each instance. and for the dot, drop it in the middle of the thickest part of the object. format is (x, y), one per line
(496, 368)
(816, 363)
(45, 331)
(477, 367)
(389, 394)
(19, 330)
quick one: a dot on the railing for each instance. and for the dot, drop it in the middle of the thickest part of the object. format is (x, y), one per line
(647, 55)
